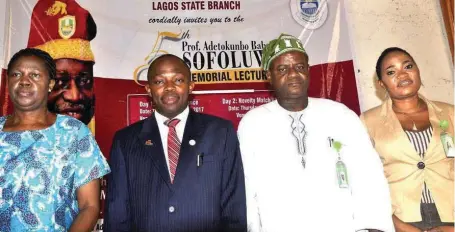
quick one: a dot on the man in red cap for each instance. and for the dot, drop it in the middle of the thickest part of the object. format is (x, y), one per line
(64, 29)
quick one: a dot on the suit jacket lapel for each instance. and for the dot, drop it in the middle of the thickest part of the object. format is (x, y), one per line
(194, 129)
(436, 115)
(393, 128)
(150, 139)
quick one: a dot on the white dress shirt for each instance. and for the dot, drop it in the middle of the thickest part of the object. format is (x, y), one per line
(164, 130)
(284, 196)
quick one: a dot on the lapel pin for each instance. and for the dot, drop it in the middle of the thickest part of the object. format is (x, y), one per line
(192, 142)
(148, 142)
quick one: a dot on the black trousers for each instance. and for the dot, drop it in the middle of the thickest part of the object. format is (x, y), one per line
(430, 217)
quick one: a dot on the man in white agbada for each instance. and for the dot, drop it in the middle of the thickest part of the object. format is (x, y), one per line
(309, 163)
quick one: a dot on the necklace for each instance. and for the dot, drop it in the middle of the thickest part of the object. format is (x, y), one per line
(414, 127)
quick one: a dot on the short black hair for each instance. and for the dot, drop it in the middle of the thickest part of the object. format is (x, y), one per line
(168, 56)
(384, 54)
(42, 55)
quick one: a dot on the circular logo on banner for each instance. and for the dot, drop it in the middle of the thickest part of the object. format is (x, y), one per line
(309, 13)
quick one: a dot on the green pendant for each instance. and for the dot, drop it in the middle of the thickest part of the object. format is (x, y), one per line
(342, 175)
(447, 143)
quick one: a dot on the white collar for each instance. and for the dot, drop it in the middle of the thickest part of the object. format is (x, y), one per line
(160, 119)
(276, 107)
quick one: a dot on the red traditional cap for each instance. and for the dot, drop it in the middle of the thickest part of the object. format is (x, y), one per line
(63, 29)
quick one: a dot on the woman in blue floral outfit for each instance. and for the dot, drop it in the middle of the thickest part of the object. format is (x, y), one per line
(50, 164)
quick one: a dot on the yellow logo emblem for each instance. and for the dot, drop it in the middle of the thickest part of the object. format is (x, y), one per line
(156, 51)
(57, 8)
(66, 26)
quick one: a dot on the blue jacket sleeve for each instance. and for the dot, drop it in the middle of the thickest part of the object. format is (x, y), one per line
(117, 211)
(233, 199)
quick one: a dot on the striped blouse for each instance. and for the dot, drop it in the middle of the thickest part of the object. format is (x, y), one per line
(420, 140)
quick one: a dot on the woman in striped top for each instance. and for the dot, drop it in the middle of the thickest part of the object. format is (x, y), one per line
(406, 134)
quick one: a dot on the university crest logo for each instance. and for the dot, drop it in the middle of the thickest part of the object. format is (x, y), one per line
(66, 26)
(309, 13)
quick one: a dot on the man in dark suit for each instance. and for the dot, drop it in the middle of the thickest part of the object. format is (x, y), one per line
(177, 170)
